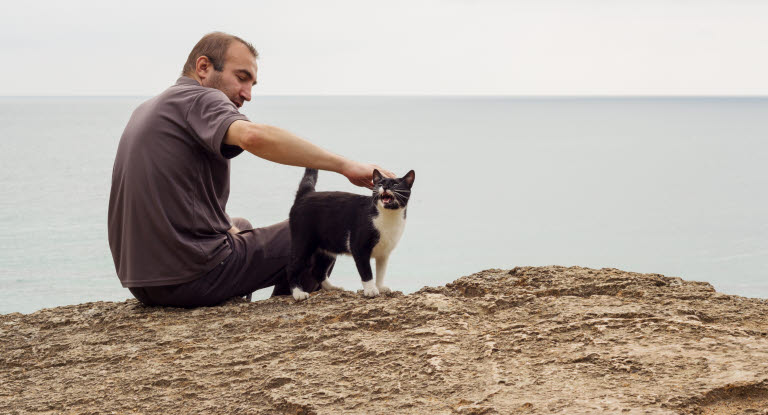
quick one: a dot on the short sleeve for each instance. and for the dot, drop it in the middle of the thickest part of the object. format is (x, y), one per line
(209, 117)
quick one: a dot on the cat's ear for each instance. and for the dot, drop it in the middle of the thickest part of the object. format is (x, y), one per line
(376, 176)
(409, 178)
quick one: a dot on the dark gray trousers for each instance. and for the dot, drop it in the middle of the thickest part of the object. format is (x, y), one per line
(258, 260)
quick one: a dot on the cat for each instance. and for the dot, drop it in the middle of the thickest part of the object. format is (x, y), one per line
(326, 224)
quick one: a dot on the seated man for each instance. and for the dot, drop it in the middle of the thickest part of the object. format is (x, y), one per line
(171, 239)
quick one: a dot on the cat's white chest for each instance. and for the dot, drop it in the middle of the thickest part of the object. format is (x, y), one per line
(390, 224)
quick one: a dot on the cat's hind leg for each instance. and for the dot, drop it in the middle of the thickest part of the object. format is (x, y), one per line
(300, 256)
(321, 270)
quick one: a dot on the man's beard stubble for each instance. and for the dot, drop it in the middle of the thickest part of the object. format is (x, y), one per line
(217, 82)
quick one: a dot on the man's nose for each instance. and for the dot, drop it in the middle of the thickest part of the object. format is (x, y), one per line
(246, 94)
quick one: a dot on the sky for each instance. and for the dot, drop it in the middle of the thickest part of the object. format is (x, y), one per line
(414, 47)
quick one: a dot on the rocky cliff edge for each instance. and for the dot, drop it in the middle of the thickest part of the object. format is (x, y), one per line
(528, 340)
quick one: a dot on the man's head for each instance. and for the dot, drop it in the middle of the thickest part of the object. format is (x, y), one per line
(224, 62)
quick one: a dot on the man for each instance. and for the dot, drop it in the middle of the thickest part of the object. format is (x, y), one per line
(171, 239)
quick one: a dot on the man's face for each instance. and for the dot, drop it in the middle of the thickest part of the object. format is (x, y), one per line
(238, 76)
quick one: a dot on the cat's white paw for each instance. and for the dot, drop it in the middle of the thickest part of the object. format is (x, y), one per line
(371, 292)
(330, 287)
(383, 289)
(369, 289)
(299, 294)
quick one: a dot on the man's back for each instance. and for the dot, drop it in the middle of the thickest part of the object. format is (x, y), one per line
(170, 186)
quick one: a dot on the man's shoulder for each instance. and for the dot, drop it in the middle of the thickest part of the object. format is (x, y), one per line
(190, 89)
(179, 98)
(187, 100)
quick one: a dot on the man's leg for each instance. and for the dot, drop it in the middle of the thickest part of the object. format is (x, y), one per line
(259, 260)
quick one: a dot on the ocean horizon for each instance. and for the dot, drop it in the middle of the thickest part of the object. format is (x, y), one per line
(654, 184)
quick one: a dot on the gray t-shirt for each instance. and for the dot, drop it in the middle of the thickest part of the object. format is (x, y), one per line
(170, 186)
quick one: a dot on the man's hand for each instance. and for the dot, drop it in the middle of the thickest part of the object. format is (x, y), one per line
(361, 174)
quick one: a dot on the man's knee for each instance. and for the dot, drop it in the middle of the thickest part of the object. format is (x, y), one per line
(242, 224)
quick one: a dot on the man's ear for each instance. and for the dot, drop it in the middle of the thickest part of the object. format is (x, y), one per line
(203, 67)
(409, 178)
(376, 176)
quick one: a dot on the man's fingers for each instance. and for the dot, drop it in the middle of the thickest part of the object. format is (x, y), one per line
(363, 183)
(385, 172)
(364, 178)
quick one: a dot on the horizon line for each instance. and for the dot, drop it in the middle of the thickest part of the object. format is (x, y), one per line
(545, 96)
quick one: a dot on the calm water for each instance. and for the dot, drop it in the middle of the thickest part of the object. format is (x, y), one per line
(673, 186)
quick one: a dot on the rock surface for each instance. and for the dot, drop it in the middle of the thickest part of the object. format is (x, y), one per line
(530, 340)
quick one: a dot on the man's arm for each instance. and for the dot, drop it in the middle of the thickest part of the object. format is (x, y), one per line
(278, 145)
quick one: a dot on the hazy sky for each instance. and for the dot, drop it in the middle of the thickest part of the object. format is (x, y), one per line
(537, 47)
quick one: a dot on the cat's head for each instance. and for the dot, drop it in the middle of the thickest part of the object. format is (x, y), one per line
(392, 193)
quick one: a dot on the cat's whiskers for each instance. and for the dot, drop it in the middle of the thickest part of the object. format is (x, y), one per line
(400, 198)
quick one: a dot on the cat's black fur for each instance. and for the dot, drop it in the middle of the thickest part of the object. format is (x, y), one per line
(325, 224)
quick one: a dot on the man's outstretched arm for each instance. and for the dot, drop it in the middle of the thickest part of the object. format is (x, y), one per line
(278, 145)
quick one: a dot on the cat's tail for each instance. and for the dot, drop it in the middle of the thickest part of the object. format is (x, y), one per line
(307, 184)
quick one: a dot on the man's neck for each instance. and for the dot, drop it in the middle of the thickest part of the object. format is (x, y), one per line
(195, 77)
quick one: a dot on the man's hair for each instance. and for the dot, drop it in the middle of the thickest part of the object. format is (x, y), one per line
(213, 46)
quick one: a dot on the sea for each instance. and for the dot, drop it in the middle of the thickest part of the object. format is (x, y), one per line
(667, 185)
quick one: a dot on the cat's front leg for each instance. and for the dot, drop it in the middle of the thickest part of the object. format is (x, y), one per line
(381, 269)
(369, 288)
(363, 263)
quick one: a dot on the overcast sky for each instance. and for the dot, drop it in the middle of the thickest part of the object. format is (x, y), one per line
(504, 47)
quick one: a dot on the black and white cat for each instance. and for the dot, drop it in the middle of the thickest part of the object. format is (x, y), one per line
(326, 224)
